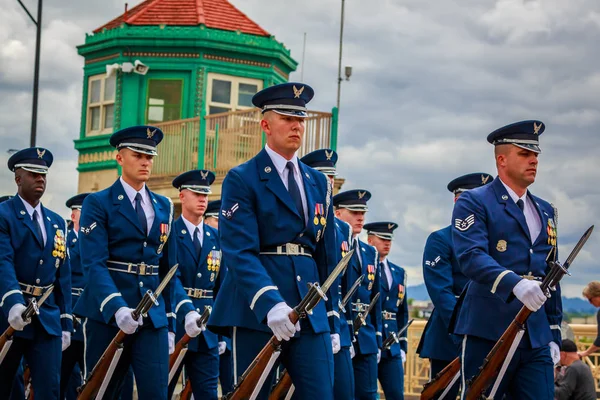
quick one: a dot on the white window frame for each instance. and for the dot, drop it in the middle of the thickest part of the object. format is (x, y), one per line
(235, 85)
(102, 104)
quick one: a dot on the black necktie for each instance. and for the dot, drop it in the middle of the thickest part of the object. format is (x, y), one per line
(384, 275)
(36, 224)
(197, 244)
(140, 213)
(521, 205)
(293, 188)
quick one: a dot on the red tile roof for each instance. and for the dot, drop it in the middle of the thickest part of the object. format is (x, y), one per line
(218, 14)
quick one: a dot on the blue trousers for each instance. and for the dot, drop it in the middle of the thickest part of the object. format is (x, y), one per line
(307, 358)
(343, 386)
(70, 370)
(43, 355)
(436, 367)
(18, 387)
(530, 374)
(226, 371)
(391, 377)
(202, 369)
(365, 376)
(147, 351)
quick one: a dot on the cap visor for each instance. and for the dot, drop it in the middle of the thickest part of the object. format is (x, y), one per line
(142, 151)
(291, 113)
(35, 170)
(531, 147)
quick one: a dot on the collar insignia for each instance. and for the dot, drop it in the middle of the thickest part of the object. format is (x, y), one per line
(298, 92)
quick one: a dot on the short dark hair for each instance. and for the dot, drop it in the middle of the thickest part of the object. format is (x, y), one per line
(568, 346)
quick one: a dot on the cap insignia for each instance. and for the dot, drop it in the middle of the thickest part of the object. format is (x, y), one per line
(150, 133)
(204, 174)
(361, 194)
(536, 128)
(328, 154)
(41, 153)
(484, 179)
(298, 92)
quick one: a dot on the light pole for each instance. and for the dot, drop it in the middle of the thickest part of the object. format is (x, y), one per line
(348, 69)
(36, 71)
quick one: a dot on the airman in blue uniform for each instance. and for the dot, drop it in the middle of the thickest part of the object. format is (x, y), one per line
(211, 218)
(277, 236)
(351, 207)
(394, 310)
(34, 258)
(126, 248)
(502, 237)
(73, 358)
(444, 281)
(324, 160)
(199, 257)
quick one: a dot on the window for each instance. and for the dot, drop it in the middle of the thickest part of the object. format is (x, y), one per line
(164, 100)
(101, 104)
(230, 93)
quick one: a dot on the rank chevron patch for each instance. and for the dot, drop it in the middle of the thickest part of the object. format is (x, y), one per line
(464, 224)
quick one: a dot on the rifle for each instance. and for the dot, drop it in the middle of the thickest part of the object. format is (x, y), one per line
(28, 386)
(95, 386)
(254, 377)
(442, 382)
(181, 347)
(497, 361)
(33, 307)
(394, 337)
(282, 388)
(361, 319)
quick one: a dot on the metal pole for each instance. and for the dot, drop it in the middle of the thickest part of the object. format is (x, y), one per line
(340, 59)
(303, 52)
(36, 74)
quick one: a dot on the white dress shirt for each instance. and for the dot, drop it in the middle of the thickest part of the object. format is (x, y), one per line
(146, 202)
(40, 218)
(531, 215)
(280, 165)
(388, 272)
(192, 228)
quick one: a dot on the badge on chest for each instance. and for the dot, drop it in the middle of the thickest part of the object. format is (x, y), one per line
(400, 295)
(551, 230)
(60, 248)
(213, 263)
(345, 248)
(370, 275)
(164, 236)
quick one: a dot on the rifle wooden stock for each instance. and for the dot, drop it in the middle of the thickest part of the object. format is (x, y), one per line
(441, 381)
(185, 339)
(28, 386)
(251, 376)
(6, 336)
(186, 393)
(495, 358)
(90, 388)
(282, 387)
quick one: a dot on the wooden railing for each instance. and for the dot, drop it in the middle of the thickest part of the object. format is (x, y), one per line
(416, 371)
(226, 140)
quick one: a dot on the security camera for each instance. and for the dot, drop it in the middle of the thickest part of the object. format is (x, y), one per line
(140, 67)
(112, 69)
(348, 72)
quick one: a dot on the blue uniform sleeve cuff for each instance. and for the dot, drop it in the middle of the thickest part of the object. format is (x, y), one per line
(265, 299)
(66, 322)
(504, 284)
(110, 305)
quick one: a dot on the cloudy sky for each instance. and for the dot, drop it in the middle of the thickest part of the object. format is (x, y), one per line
(430, 80)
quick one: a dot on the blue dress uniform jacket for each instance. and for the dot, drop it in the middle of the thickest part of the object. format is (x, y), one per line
(254, 197)
(444, 281)
(78, 281)
(127, 243)
(196, 273)
(494, 249)
(25, 260)
(343, 240)
(395, 309)
(369, 336)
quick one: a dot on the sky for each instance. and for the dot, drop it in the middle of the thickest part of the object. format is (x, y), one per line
(430, 80)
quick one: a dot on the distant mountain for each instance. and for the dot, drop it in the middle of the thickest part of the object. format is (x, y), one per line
(570, 304)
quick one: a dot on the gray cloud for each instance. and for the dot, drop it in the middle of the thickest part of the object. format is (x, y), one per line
(431, 79)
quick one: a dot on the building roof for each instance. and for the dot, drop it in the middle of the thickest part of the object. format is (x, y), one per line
(217, 14)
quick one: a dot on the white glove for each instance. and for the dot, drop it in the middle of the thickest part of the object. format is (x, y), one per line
(171, 342)
(191, 324)
(335, 343)
(554, 353)
(222, 347)
(352, 353)
(530, 294)
(125, 321)
(378, 355)
(279, 321)
(66, 340)
(15, 317)
(403, 355)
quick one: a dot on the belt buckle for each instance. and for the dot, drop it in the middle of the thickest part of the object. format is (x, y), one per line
(292, 249)
(142, 269)
(197, 293)
(529, 276)
(37, 291)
